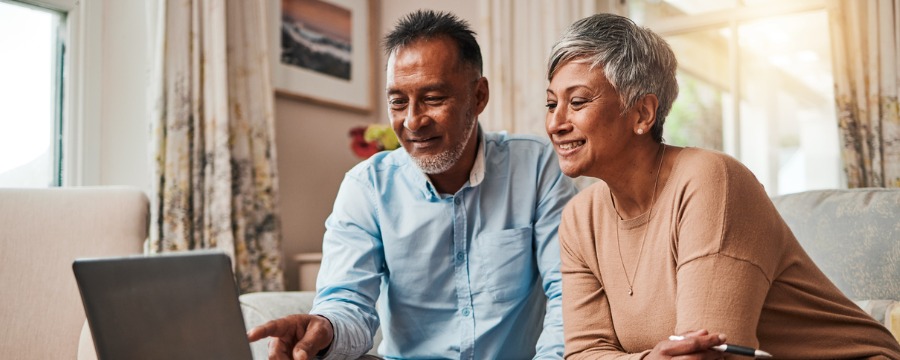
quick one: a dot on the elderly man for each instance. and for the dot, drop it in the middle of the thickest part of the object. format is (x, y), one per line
(456, 231)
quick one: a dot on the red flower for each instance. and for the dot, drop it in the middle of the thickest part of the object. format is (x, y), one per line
(362, 148)
(365, 141)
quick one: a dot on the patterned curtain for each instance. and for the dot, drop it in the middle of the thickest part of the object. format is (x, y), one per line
(213, 135)
(866, 45)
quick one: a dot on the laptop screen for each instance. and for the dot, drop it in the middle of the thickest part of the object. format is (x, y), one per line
(168, 306)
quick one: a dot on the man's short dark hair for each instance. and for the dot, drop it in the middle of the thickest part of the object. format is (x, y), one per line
(427, 24)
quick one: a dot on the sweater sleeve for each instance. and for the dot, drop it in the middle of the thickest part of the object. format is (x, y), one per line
(587, 321)
(546, 244)
(728, 250)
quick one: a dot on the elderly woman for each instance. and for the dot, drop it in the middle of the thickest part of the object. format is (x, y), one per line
(674, 241)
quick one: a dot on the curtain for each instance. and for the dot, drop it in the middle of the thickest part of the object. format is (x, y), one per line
(866, 48)
(215, 184)
(517, 36)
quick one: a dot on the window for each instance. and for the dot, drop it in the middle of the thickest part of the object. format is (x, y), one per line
(755, 82)
(30, 95)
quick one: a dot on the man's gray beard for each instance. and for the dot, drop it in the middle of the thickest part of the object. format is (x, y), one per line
(442, 162)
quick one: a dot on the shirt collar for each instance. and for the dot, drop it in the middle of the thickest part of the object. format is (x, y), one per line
(476, 175)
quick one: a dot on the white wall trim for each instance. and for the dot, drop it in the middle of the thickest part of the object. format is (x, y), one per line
(83, 92)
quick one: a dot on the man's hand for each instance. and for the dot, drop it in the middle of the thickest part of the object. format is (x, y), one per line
(696, 345)
(298, 337)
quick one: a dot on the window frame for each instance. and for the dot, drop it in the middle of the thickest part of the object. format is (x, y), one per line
(81, 89)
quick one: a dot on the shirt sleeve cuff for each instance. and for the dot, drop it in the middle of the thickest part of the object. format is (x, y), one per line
(349, 343)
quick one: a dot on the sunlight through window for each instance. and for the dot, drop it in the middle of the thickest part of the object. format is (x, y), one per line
(29, 96)
(756, 82)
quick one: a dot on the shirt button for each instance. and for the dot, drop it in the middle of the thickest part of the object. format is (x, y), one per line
(466, 312)
(457, 201)
(460, 256)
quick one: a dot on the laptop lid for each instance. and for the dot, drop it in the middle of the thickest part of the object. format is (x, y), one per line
(168, 306)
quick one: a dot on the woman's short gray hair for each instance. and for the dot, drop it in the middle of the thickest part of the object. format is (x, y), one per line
(635, 60)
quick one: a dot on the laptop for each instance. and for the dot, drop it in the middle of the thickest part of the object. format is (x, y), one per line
(167, 306)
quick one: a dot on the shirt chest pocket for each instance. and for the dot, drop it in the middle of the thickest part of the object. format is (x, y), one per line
(504, 264)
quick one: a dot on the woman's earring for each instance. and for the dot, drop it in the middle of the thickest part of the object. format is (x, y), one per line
(640, 131)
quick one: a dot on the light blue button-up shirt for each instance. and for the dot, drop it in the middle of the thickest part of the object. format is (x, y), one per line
(470, 275)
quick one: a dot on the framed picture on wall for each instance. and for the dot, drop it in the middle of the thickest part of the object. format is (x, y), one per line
(321, 51)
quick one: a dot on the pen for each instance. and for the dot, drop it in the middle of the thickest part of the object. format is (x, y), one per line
(733, 349)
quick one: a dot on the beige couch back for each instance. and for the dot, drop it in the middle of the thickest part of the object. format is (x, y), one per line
(852, 235)
(41, 232)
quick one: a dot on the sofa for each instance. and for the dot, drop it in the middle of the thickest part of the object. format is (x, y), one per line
(41, 232)
(853, 236)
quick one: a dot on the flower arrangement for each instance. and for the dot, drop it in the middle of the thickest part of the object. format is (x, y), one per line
(365, 141)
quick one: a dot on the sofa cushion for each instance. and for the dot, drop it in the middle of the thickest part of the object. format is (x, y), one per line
(852, 235)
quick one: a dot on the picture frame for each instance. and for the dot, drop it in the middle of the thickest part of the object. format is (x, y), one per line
(320, 51)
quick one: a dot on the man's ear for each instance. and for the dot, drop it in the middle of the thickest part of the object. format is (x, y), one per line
(482, 94)
(645, 108)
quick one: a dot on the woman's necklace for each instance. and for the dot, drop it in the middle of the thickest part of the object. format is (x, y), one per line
(644, 237)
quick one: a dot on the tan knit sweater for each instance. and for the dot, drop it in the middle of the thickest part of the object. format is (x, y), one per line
(717, 256)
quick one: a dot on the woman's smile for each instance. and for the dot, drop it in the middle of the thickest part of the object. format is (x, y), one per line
(566, 146)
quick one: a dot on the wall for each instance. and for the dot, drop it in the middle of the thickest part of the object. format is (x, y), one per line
(313, 147)
(124, 121)
(313, 155)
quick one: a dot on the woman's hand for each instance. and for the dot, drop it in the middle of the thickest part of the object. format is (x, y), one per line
(696, 345)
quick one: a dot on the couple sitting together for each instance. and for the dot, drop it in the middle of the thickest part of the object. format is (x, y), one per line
(479, 247)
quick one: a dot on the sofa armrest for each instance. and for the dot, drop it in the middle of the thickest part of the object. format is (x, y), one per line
(260, 307)
(264, 306)
(86, 349)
